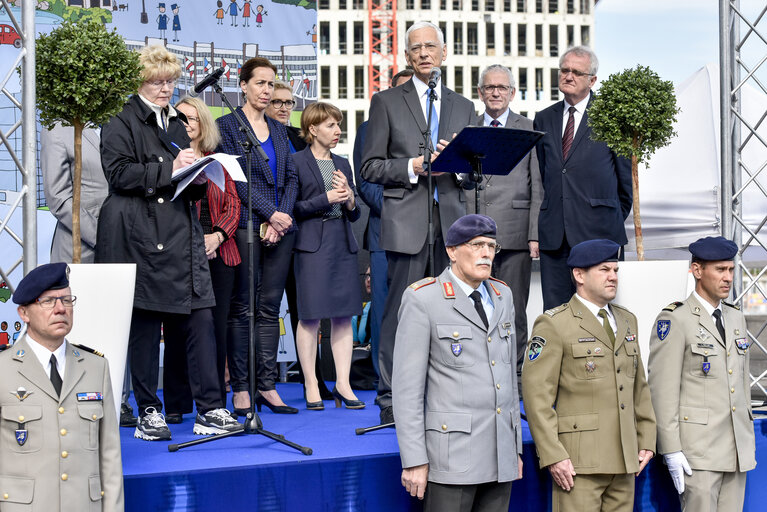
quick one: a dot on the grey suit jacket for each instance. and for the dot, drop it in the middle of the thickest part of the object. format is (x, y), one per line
(514, 200)
(394, 135)
(705, 414)
(57, 163)
(68, 435)
(454, 385)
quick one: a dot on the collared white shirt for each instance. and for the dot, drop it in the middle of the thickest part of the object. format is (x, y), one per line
(580, 109)
(708, 307)
(487, 302)
(44, 356)
(595, 311)
(501, 119)
(422, 90)
(160, 113)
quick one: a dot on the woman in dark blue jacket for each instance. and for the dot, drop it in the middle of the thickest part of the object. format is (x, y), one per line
(325, 259)
(274, 185)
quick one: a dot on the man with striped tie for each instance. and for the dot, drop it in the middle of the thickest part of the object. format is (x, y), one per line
(587, 187)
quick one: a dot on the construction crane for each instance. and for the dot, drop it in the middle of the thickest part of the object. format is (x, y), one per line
(382, 34)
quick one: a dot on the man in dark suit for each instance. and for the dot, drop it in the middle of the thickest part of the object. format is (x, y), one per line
(513, 201)
(587, 187)
(372, 195)
(393, 157)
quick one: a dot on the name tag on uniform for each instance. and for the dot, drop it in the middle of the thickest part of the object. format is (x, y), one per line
(89, 397)
(586, 340)
(705, 345)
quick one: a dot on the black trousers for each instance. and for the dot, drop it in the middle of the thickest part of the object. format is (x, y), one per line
(271, 266)
(403, 270)
(487, 497)
(192, 334)
(515, 268)
(177, 392)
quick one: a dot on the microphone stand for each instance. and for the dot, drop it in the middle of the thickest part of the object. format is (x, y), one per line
(253, 424)
(427, 165)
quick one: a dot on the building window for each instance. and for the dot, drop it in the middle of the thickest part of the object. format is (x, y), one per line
(521, 5)
(359, 118)
(585, 35)
(538, 84)
(359, 38)
(325, 82)
(474, 5)
(506, 5)
(553, 40)
(490, 38)
(490, 5)
(523, 113)
(585, 6)
(410, 5)
(539, 40)
(570, 36)
(408, 24)
(342, 37)
(344, 128)
(343, 87)
(458, 38)
(472, 39)
(323, 5)
(443, 5)
(538, 5)
(324, 37)
(443, 29)
(553, 6)
(554, 74)
(342, 4)
(474, 81)
(359, 83)
(361, 4)
(458, 80)
(425, 4)
(507, 39)
(457, 5)
(521, 40)
(523, 83)
(570, 6)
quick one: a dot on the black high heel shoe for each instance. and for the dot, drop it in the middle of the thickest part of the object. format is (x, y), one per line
(313, 406)
(276, 409)
(350, 404)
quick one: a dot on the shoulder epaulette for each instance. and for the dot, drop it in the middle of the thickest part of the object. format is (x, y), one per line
(496, 290)
(558, 309)
(423, 282)
(88, 349)
(498, 280)
(672, 306)
(733, 306)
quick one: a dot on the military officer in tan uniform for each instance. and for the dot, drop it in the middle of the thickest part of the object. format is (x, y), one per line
(698, 373)
(585, 393)
(59, 444)
(454, 387)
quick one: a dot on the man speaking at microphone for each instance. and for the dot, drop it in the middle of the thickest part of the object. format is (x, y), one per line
(394, 157)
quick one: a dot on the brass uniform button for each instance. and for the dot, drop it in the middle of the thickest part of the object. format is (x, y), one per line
(729, 371)
(61, 410)
(21, 419)
(63, 431)
(5, 496)
(497, 386)
(444, 427)
(732, 390)
(492, 363)
(102, 493)
(728, 354)
(489, 339)
(64, 454)
(64, 477)
(95, 417)
(733, 408)
(705, 352)
(686, 418)
(455, 334)
(498, 410)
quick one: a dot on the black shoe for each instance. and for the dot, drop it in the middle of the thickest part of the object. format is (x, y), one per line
(277, 409)
(174, 418)
(315, 406)
(217, 421)
(387, 415)
(350, 404)
(127, 419)
(152, 427)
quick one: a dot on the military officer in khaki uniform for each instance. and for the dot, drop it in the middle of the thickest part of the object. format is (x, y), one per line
(454, 387)
(585, 393)
(698, 373)
(59, 444)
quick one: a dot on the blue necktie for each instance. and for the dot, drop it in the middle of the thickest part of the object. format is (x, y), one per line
(434, 134)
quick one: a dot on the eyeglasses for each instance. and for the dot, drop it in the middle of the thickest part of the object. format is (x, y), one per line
(191, 119)
(430, 47)
(478, 246)
(160, 83)
(278, 104)
(50, 302)
(503, 89)
(575, 72)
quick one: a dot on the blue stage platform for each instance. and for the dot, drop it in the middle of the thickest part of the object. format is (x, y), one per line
(346, 472)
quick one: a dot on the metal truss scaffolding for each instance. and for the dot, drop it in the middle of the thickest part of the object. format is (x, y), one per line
(743, 63)
(25, 163)
(382, 34)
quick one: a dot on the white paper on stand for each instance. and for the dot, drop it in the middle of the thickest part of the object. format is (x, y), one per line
(214, 166)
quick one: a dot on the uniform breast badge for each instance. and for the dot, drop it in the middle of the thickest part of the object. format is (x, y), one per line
(598, 350)
(591, 366)
(702, 334)
(705, 366)
(663, 328)
(742, 343)
(457, 348)
(21, 393)
(21, 435)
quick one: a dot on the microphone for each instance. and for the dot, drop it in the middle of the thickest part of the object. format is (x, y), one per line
(209, 80)
(433, 77)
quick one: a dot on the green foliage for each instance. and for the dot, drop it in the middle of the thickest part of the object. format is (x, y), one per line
(84, 74)
(60, 8)
(634, 113)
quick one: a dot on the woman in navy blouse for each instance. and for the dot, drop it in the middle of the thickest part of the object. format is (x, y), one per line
(275, 186)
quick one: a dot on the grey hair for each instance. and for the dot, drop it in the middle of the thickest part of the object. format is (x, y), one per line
(583, 51)
(424, 24)
(500, 68)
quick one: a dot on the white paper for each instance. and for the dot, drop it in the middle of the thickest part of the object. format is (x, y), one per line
(214, 166)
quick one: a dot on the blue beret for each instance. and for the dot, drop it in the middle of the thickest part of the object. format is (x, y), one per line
(713, 248)
(468, 227)
(592, 252)
(173, 7)
(51, 276)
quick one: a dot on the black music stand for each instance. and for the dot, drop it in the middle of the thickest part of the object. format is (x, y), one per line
(480, 150)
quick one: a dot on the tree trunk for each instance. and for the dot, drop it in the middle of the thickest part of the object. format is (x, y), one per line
(76, 183)
(637, 219)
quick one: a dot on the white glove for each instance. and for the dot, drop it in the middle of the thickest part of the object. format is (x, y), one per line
(677, 463)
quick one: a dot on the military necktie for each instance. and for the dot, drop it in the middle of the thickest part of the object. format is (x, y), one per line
(719, 324)
(567, 137)
(606, 324)
(495, 123)
(55, 377)
(477, 298)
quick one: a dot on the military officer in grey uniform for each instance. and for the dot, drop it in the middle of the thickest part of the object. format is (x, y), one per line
(59, 444)
(585, 392)
(454, 380)
(699, 381)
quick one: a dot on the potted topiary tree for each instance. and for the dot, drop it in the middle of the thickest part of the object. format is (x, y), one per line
(634, 113)
(84, 76)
